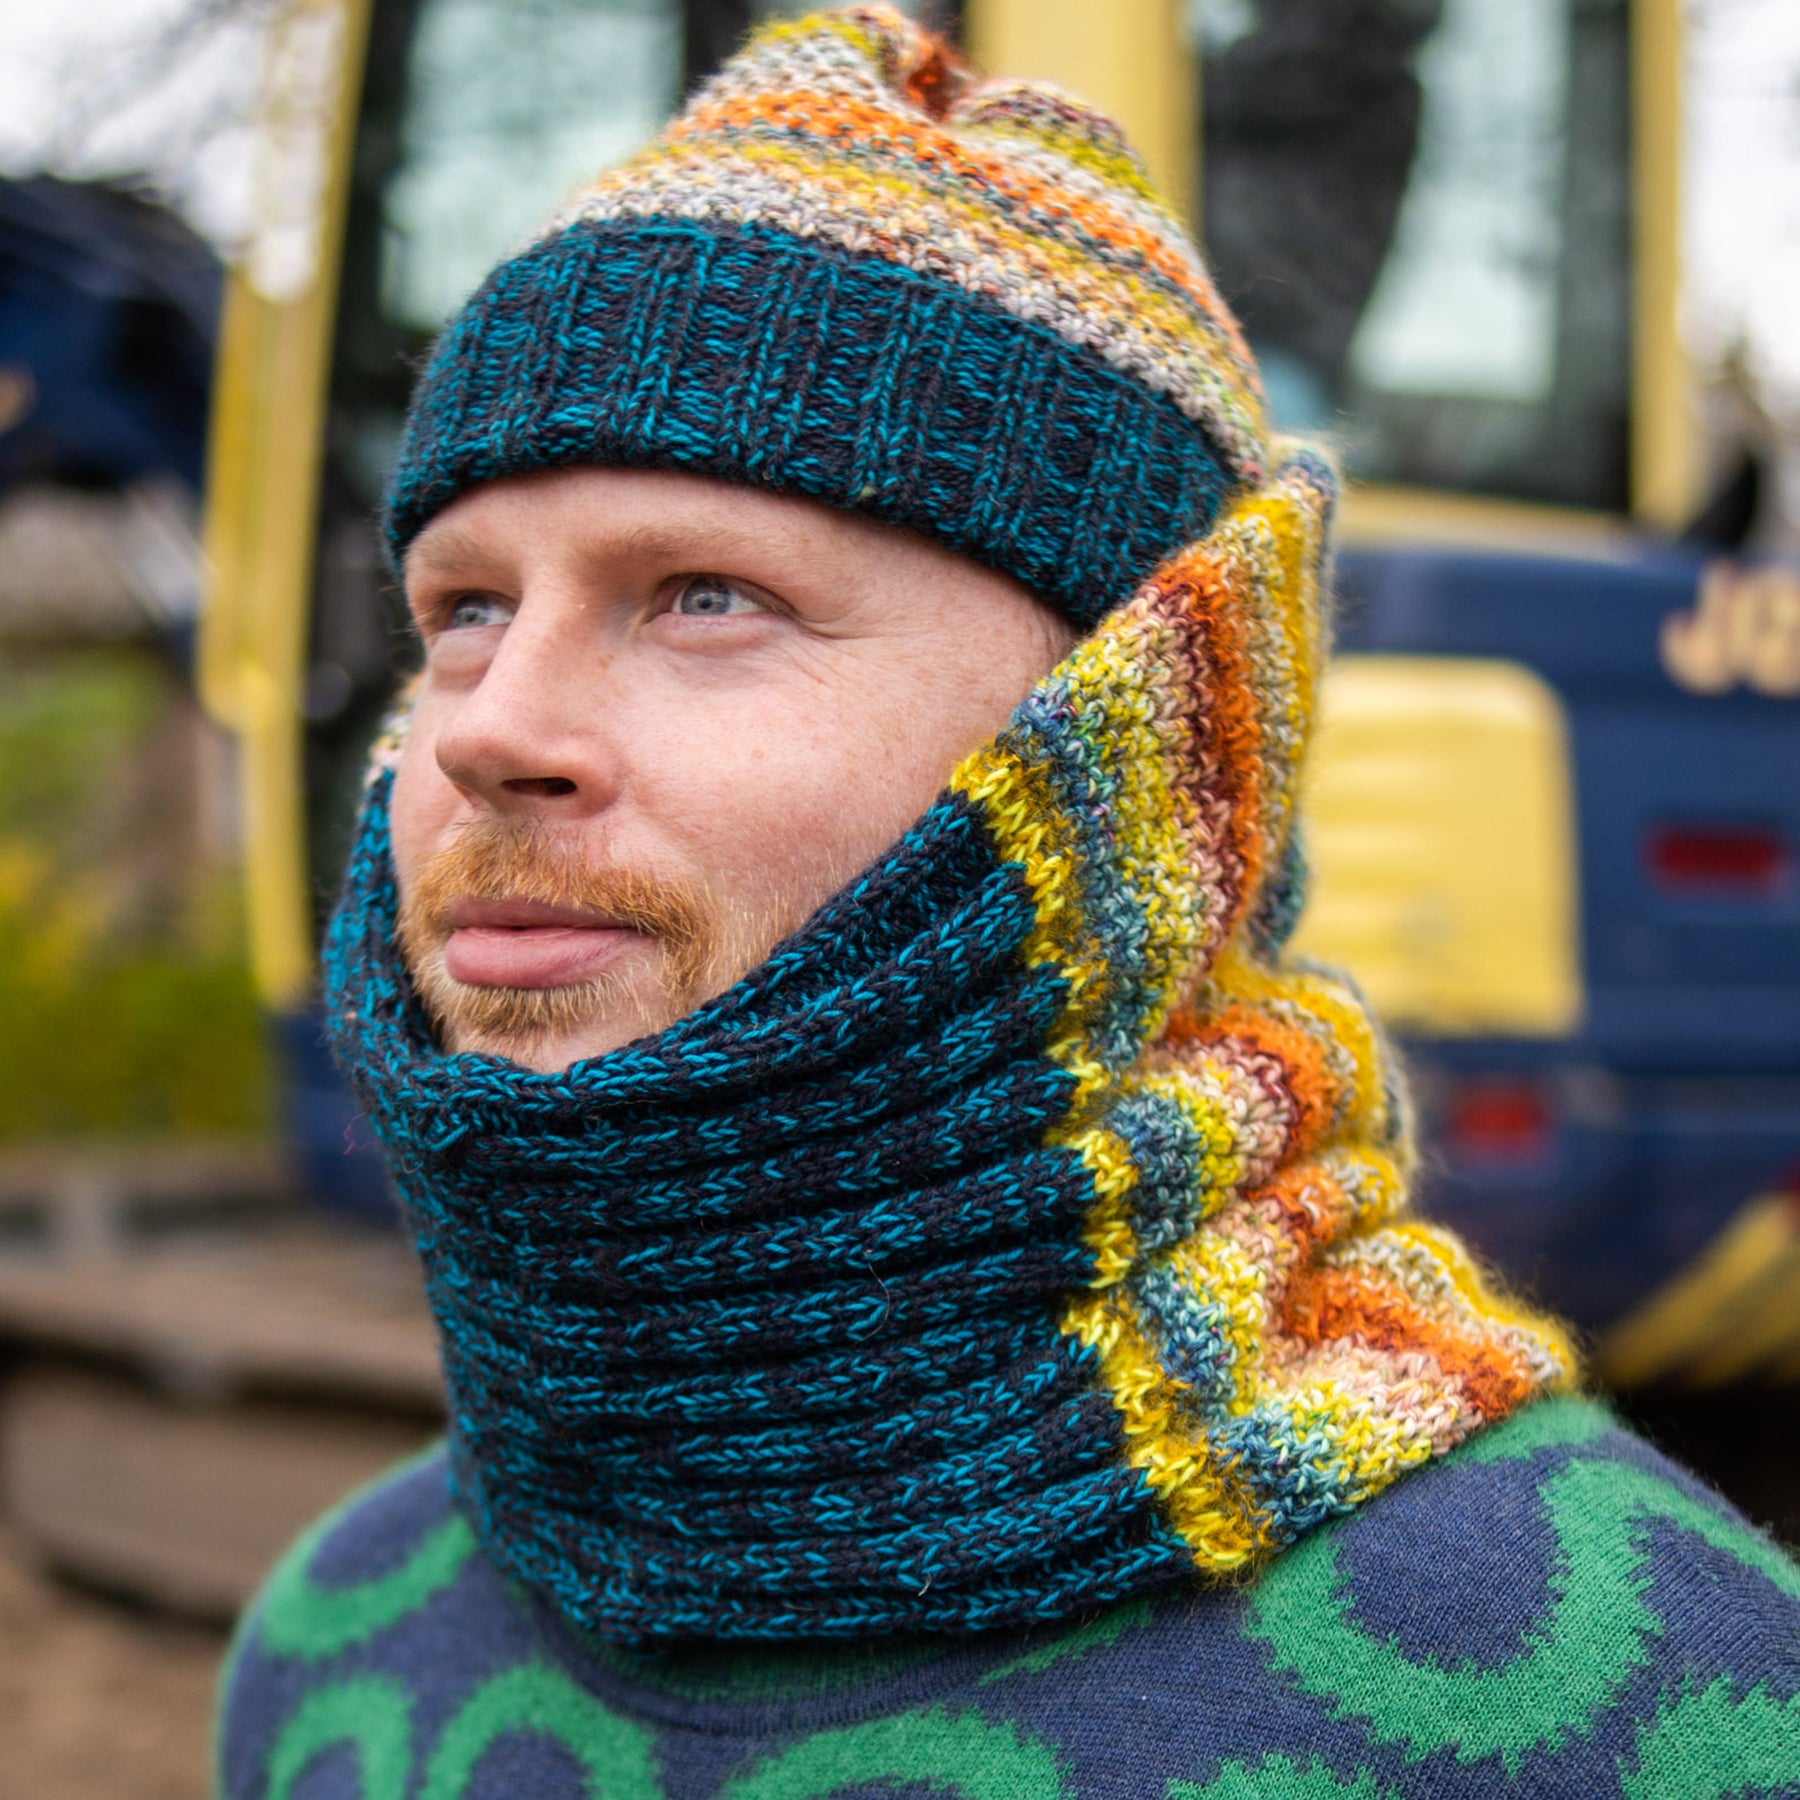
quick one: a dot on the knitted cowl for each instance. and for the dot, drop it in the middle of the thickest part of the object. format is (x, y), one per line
(1024, 1233)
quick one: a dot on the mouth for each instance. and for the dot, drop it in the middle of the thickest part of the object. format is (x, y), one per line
(522, 944)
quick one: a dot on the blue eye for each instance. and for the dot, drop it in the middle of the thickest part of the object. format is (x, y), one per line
(475, 610)
(712, 597)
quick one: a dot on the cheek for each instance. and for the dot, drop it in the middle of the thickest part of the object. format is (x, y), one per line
(423, 806)
(799, 797)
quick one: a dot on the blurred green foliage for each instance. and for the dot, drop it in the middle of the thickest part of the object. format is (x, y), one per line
(126, 1006)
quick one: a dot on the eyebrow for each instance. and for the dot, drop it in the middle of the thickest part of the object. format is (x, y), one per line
(679, 544)
(443, 547)
(452, 548)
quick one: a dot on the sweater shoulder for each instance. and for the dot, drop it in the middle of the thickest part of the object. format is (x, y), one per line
(375, 1623)
(1553, 1609)
(1562, 1529)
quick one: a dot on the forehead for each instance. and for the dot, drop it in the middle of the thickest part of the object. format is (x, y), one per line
(644, 515)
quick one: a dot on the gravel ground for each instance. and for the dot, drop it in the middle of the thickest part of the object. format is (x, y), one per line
(98, 1701)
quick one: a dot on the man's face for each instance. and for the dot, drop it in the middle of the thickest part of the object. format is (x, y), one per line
(662, 719)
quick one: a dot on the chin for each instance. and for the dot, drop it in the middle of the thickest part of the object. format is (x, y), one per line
(466, 1021)
(546, 1053)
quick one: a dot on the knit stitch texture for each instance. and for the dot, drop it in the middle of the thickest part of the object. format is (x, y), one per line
(1011, 1281)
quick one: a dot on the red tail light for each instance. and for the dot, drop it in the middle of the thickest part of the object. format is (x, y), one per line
(1726, 862)
(1499, 1119)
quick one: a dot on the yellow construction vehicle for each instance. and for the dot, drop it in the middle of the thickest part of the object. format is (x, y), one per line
(1550, 830)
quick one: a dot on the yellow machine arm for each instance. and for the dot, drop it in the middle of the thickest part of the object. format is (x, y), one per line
(263, 463)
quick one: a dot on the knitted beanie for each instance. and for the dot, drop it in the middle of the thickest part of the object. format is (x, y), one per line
(851, 269)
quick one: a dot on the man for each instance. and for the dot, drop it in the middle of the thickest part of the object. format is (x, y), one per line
(927, 1293)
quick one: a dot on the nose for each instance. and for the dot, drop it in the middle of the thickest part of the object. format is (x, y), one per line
(529, 735)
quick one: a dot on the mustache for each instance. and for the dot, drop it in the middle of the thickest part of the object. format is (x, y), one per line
(521, 860)
(499, 860)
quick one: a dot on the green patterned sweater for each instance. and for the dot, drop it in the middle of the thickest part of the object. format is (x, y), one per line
(1552, 1610)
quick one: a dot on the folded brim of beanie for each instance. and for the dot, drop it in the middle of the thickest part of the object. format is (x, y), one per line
(755, 355)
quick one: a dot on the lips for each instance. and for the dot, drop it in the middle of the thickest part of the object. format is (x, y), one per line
(518, 943)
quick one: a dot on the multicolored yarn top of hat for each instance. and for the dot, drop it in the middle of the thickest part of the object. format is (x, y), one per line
(852, 270)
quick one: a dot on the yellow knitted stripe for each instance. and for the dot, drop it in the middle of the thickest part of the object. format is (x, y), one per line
(1028, 825)
(984, 111)
(1107, 1230)
(936, 213)
(1221, 1274)
(986, 194)
(1132, 697)
(1219, 1160)
(1213, 1512)
(1373, 1440)
(806, 28)
(1132, 700)
(1117, 167)
(1277, 533)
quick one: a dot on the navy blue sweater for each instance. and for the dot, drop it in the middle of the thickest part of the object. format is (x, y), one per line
(1553, 1610)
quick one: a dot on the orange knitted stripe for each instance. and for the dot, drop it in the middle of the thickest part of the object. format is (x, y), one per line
(1336, 1303)
(834, 119)
(1230, 734)
(1312, 1202)
(1305, 1067)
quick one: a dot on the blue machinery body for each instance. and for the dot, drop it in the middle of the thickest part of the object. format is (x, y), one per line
(1600, 1162)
